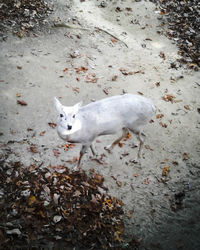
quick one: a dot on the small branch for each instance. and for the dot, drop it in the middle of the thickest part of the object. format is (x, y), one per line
(105, 31)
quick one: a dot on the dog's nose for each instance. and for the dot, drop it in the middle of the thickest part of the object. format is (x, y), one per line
(69, 127)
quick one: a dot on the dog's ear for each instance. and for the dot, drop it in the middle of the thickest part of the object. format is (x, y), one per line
(77, 106)
(58, 105)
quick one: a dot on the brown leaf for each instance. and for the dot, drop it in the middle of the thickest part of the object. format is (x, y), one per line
(125, 71)
(185, 156)
(114, 178)
(31, 200)
(159, 116)
(52, 125)
(65, 70)
(29, 129)
(139, 71)
(187, 107)
(168, 97)
(114, 78)
(157, 84)
(113, 40)
(81, 69)
(19, 34)
(76, 89)
(19, 67)
(33, 149)
(119, 183)
(18, 95)
(164, 125)
(105, 90)
(22, 103)
(98, 178)
(162, 55)
(42, 133)
(68, 146)
(91, 77)
(140, 93)
(148, 147)
(56, 152)
(166, 170)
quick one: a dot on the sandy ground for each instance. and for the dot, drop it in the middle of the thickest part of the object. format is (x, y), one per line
(104, 41)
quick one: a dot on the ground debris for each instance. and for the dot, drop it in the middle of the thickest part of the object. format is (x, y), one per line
(45, 207)
(182, 18)
(22, 16)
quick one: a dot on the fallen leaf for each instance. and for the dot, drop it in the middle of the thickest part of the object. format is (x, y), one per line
(185, 156)
(22, 103)
(76, 89)
(91, 77)
(19, 34)
(81, 69)
(113, 40)
(159, 116)
(68, 146)
(114, 78)
(18, 95)
(119, 183)
(56, 152)
(157, 84)
(105, 90)
(65, 70)
(162, 55)
(125, 71)
(168, 97)
(52, 125)
(165, 171)
(187, 107)
(29, 129)
(31, 200)
(33, 149)
(140, 93)
(139, 71)
(98, 178)
(148, 147)
(42, 133)
(164, 125)
(114, 178)
(164, 160)
(19, 67)
(77, 193)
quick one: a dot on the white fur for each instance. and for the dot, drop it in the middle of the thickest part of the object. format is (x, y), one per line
(83, 124)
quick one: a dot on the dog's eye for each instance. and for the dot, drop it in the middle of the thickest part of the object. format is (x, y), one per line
(61, 115)
(73, 116)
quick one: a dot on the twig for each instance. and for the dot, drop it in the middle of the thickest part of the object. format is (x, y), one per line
(105, 31)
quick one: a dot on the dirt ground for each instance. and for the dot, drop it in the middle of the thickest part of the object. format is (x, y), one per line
(121, 51)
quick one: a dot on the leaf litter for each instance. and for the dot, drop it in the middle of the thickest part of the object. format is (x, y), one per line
(183, 22)
(45, 206)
